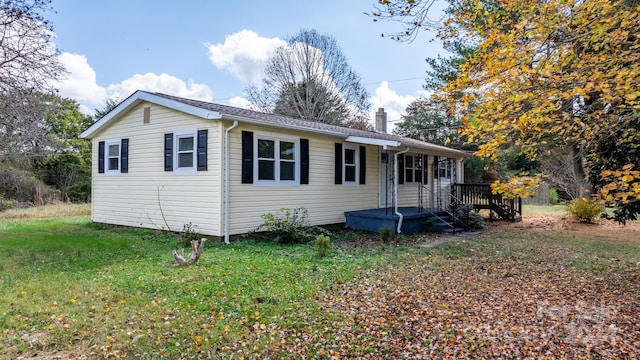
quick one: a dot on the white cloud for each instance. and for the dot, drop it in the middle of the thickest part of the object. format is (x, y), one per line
(244, 54)
(240, 102)
(80, 82)
(393, 103)
(163, 83)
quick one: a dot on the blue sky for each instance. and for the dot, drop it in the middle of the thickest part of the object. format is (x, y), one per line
(210, 50)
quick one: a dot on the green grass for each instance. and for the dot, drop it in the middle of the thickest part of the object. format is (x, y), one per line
(70, 284)
(73, 288)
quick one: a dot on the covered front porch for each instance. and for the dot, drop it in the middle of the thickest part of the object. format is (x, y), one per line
(418, 190)
(414, 188)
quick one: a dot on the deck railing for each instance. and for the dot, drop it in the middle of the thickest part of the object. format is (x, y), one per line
(481, 197)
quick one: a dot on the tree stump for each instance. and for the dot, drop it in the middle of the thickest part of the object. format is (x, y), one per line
(196, 250)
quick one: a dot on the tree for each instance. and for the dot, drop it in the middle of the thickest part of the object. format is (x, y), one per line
(67, 163)
(309, 78)
(552, 74)
(27, 67)
(428, 121)
(109, 105)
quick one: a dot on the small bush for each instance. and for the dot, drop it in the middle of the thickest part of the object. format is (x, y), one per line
(553, 196)
(322, 245)
(429, 225)
(386, 234)
(189, 234)
(585, 210)
(289, 226)
(464, 217)
(6, 204)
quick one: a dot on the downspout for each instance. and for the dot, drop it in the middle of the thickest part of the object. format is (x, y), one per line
(395, 188)
(226, 181)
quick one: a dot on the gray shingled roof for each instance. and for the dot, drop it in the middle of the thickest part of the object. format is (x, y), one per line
(299, 124)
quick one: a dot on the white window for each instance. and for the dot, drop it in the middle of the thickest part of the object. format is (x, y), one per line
(409, 168)
(350, 173)
(276, 160)
(185, 151)
(445, 169)
(112, 160)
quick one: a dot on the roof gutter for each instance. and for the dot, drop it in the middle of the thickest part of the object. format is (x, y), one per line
(395, 189)
(226, 181)
(288, 127)
(385, 144)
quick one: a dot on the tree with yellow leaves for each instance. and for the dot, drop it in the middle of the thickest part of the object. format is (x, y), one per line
(549, 74)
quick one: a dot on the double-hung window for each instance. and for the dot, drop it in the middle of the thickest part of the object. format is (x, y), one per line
(350, 165)
(277, 160)
(185, 151)
(408, 168)
(113, 156)
(412, 169)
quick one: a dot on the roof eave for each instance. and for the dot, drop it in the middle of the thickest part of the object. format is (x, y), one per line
(138, 97)
(373, 141)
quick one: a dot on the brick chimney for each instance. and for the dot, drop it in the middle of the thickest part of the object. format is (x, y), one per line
(381, 121)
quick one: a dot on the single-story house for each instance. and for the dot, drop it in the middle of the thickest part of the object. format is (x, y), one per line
(162, 160)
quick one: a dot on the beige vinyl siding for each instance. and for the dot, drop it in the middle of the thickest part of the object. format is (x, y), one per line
(136, 198)
(325, 201)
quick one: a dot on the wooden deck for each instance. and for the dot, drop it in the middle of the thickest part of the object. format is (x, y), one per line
(481, 197)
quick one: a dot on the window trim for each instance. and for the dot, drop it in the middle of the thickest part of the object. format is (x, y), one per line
(356, 165)
(277, 139)
(107, 157)
(193, 133)
(421, 171)
(409, 165)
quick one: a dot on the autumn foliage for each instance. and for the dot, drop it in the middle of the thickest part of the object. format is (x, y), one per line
(544, 75)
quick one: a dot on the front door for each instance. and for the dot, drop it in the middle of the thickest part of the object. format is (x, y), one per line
(386, 179)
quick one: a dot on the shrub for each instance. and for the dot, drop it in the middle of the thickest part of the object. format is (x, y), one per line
(464, 217)
(24, 187)
(386, 234)
(289, 226)
(189, 234)
(429, 225)
(6, 204)
(322, 245)
(584, 210)
(553, 196)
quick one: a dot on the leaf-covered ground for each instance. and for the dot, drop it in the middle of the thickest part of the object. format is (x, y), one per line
(547, 287)
(544, 288)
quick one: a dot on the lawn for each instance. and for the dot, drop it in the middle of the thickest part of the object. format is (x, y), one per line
(545, 287)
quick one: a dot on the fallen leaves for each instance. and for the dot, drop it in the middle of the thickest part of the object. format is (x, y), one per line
(509, 306)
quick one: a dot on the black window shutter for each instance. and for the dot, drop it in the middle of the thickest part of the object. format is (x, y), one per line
(338, 164)
(101, 157)
(168, 152)
(363, 165)
(304, 161)
(124, 155)
(401, 169)
(425, 169)
(247, 157)
(202, 149)
(436, 167)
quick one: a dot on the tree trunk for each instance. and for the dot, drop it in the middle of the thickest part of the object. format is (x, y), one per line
(196, 250)
(579, 172)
